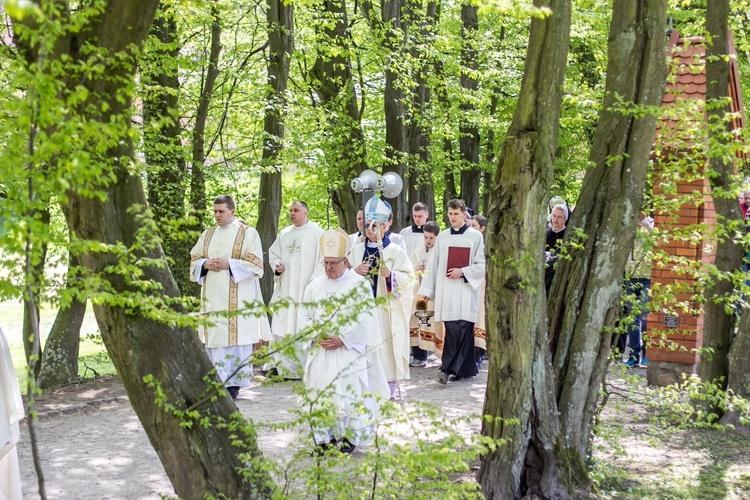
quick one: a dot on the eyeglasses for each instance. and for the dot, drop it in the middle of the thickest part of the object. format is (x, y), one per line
(332, 264)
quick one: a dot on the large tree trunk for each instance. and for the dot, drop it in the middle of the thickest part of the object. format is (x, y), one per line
(36, 255)
(739, 370)
(520, 387)
(343, 143)
(60, 355)
(420, 185)
(199, 460)
(555, 403)
(198, 201)
(393, 101)
(718, 324)
(471, 174)
(280, 20)
(419, 24)
(585, 295)
(167, 174)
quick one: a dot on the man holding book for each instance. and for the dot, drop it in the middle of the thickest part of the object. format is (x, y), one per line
(454, 278)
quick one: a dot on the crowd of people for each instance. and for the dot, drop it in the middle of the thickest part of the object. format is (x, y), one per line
(360, 359)
(419, 293)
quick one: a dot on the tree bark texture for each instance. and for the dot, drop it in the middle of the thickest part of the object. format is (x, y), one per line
(167, 174)
(520, 387)
(393, 100)
(422, 26)
(60, 356)
(199, 460)
(471, 174)
(718, 324)
(555, 399)
(585, 295)
(331, 76)
(34, 277)
(739, 370)
(198, 201)
(280, 20)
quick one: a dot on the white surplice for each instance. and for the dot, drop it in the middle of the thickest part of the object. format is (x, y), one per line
(352, 372)
(412, 239)
(455, 299)
(298, 249)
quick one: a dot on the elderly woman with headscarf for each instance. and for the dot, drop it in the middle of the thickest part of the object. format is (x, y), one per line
(554, 239)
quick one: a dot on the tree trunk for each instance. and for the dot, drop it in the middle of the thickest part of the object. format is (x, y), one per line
(555, 399)
(585, 294)
(343, 142)
(280, 19)
(718, 324)
(34, 277)
(393, 99)
(167, 174)
(520, 384)
(60, 355)
(420, 185)
(198, 201)
(739, 370)
(199, 460)
(471, 174)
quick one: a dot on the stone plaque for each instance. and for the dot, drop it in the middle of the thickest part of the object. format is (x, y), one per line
(671, 321)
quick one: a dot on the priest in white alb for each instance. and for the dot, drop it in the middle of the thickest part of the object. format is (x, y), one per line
(391, 275)
(227, 261)
(338, 312)
(454, 279)
(295, 258)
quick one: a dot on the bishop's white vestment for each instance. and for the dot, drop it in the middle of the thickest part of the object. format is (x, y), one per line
(393, 314)
(229, 297)
(298, 249)
(351, 375)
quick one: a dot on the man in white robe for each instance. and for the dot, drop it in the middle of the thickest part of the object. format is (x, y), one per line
(391, 276)
(338, 369)
(295, 258)
(359, 236)
(227, 261)
(413, 234)
(454, 278)
(11, 413)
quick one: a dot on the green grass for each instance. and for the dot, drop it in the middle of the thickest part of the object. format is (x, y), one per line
(92, 352)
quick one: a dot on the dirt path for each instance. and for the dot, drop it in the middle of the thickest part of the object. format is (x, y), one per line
(93, 445)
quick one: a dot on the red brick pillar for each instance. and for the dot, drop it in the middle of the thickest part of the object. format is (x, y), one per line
(672, 351)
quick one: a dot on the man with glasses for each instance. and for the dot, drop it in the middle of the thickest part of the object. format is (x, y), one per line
(343, 334)
(294, 257)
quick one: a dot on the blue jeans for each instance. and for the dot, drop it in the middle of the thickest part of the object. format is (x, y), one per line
(637, 291)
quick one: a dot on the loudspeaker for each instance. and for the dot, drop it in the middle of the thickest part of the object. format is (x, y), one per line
(368, 179)
(392, 184)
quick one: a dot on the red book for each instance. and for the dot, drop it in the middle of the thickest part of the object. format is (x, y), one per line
(458, 257)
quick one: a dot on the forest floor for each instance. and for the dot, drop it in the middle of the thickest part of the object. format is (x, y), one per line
(92, 445)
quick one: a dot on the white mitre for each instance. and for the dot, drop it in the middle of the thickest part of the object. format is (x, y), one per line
(335, 243)
(377, 210)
